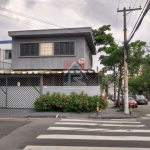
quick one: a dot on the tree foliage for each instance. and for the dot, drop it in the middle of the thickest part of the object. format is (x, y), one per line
(113, 59)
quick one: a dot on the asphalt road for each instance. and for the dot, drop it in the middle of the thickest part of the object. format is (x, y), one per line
(142, 110)
(78, 134)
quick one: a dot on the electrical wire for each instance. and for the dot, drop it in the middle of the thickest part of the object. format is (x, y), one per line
(33, 18)
(18, 20)
(127, 21)
(116, 18)
(30, 17)
(135, 16)
(131, 12)
(135, 26)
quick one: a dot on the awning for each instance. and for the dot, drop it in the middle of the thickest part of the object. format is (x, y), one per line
(47, 71)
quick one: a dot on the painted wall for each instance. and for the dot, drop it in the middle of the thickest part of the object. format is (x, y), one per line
(46, 62)
(90, 90)
(87, 56)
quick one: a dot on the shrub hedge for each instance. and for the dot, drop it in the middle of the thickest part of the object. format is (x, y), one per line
(69, 103)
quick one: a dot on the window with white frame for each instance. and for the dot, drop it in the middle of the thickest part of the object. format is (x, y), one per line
(7, 54)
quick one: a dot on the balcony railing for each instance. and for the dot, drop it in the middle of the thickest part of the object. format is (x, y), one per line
(5, 65)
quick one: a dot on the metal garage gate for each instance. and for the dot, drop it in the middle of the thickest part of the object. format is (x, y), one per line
(3, 94)
(19, 92)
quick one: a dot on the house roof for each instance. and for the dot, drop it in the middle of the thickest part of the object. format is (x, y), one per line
(86, 32)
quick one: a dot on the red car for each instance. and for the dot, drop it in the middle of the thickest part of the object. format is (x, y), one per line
(131, 102)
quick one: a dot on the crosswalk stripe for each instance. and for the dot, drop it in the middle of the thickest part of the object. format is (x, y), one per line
(124, 119)
(101, 130)
(91, 137)
(79, 148)
(129, 122)
(92, 124)
(88, 124)
(147, 115)
(121, 125)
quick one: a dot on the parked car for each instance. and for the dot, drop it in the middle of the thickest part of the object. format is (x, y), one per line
(140, 99)
(131, 101)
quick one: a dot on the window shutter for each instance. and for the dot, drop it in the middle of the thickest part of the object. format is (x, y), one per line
(27, 50)
(22, 49)
(71, 51)
(32, 49)
(56, 48)
(36, 49)
(66, 50)
(62, 47)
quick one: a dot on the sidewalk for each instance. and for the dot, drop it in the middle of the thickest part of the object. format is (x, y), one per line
(109, 113)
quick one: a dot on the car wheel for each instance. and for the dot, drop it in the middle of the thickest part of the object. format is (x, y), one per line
(147, 103)
(136, 106)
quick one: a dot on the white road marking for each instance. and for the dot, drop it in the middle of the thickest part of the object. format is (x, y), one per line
(124, 119)
(79, 148)
(91, 137)
(92, 124)
(147, 115)
(87, 124)
(121, 125)
(99, 121)
(100, 130)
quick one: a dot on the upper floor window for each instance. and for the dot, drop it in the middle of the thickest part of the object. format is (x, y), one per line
(7, 54)
(29, 49)
(64, 48)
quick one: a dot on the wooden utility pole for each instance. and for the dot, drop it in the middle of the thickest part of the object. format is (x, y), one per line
(126, 106)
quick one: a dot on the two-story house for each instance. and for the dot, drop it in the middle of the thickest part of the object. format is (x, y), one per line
(5, 55)
(56, 60)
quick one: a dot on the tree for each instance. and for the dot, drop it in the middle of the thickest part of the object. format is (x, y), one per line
(136, 56)
(113, 58)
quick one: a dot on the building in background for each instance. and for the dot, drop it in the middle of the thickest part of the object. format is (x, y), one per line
(5, 54)
(56, 60)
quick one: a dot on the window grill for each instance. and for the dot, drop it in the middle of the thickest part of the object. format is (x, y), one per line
(71, 79)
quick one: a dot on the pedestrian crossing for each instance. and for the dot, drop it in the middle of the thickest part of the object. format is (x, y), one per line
(80, 134)
(147, 116)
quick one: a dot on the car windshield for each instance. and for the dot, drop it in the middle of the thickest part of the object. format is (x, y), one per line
(140, 96)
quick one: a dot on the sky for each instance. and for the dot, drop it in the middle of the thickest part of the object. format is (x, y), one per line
(73, 13)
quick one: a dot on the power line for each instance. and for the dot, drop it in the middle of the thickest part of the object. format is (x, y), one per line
(129, 17)
(33, 18)
(133, 30)
(18, 20)
(30, 17)
(131, 12)
(135, 16)
(142, 15)
(116, 17)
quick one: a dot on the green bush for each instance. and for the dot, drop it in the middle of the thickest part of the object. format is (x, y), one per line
(69, 103)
